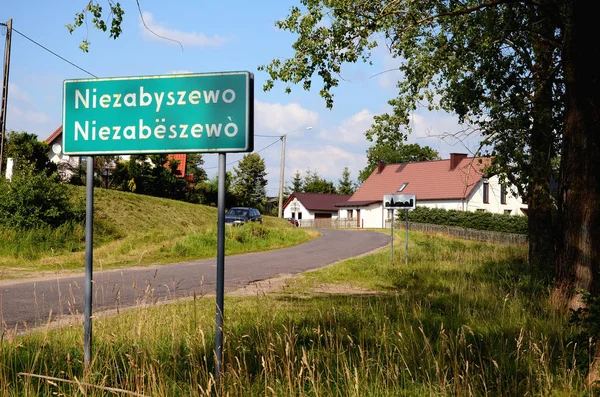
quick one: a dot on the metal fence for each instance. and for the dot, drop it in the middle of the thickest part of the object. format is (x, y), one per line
(329, 223)
(461, 232)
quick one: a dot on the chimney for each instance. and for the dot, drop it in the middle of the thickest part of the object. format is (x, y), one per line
(380, 166)
(455, 159)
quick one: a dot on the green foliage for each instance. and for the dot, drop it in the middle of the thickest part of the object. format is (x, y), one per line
(193, 166)
(249, 181)
(393, 152)
(99, 20)
(467, 219)
(586, 320)
(24, 147)
(345, 185)
(33, 199)
(313, 183)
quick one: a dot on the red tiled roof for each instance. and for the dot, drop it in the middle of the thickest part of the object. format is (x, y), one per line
(182, 158)
(318, 201)
(429, 180)
(54, 136)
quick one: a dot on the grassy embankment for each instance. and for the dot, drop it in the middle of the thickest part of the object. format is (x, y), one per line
(463, 318)
(130, 230)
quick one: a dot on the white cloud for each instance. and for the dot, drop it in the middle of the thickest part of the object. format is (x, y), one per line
(329, 162)
(28, 116)
(175, 35)
(442, 132)
(352, 130)
(15, 93)
(279, 119)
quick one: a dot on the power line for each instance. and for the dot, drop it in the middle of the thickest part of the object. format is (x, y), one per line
(54, 53)
(237, 161)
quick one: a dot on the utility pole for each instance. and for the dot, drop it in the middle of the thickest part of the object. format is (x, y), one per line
(5, 90)
(280, 213)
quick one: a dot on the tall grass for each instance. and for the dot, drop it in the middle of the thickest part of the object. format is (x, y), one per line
(462, 319)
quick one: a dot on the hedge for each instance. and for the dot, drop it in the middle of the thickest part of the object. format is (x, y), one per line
(467, 219)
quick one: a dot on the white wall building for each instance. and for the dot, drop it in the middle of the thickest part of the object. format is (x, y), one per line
(458, 183)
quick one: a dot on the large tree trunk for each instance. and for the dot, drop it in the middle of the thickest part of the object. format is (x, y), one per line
(578, 258)
(541, 234)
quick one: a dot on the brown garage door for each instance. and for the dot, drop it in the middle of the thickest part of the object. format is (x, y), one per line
(322, 216)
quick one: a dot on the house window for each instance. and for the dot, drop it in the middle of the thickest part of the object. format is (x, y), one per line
(403, 186)
(299, 215)
(486, 192)
(350, 214)
(507, 212)
(502, 195)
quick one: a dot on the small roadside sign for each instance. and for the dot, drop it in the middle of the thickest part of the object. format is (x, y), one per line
(400, 201)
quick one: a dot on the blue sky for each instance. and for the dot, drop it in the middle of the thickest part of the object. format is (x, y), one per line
(216, 37)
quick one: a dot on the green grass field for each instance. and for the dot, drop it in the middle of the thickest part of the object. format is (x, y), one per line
(136, 230)
(462, 319)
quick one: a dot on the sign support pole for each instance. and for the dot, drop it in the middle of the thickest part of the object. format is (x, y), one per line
(392, 240)
(89, 262)
(220, 270)
(407, 237)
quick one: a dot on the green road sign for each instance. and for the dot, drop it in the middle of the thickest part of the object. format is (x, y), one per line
(206, 113)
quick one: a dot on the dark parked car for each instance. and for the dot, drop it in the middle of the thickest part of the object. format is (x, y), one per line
(237, 216)
(293, 221)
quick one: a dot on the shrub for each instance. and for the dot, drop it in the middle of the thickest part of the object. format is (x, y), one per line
(472, 220)
(33, 199)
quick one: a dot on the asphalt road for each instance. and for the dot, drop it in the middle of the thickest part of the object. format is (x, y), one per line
(29, 303)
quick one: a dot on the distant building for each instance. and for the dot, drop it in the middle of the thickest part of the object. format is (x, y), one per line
(67, 165)
(458, 183)
(313, 205)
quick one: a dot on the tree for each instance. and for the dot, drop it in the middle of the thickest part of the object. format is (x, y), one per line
(296, 182)
(393, 152)
(345, 185)
(508, 70)
(24, 147)
(193, 167)
(313, 183)
(249, 181)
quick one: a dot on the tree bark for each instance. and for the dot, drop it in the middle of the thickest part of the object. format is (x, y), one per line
(578, 257)
(541, 233)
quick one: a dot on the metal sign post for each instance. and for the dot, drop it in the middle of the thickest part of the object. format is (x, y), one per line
(187, 113)
(89, 255)
(399, 201)
(392, 240)
(407, 237)
(220, 270)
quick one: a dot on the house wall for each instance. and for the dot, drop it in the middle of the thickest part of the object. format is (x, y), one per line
(296, 204)
(371, 216)
(374, 216)
(513, 204)
(306, 214)
(66, 164)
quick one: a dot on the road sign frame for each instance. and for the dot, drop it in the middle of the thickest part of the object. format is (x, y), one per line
(390, 201)
(217, 118)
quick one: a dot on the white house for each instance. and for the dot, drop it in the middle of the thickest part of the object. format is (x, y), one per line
(458, 183)
(313, 205)
(66, 164)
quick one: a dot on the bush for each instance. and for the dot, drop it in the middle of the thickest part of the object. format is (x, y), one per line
(33, 199)
(471, 220)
